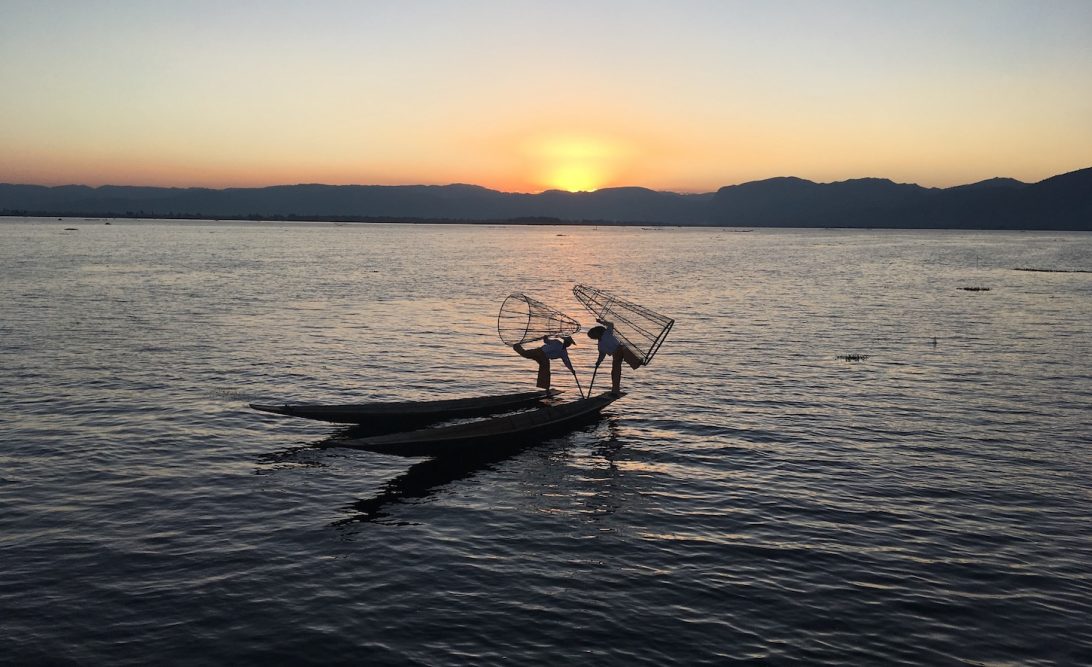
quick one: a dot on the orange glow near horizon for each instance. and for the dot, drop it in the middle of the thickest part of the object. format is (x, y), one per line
(575, 163)
(575, 178)
(526, 99)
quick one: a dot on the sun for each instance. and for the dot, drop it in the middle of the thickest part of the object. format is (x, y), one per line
(575, 178)
(577, 163)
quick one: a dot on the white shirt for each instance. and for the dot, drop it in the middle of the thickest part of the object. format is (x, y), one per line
(555, 349)
(607, 344)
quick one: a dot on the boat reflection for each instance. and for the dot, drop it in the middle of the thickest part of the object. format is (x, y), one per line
(421, 480)
(306, 454)
(428, 477)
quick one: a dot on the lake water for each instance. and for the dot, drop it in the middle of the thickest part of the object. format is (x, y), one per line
(755, 498)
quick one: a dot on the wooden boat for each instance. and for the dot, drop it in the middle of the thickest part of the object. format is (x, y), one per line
(505, 430)
(408, 414)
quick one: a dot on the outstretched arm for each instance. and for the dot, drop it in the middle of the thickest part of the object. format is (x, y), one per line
(565, 360)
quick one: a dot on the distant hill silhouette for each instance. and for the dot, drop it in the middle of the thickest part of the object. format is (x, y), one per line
(1061, 202)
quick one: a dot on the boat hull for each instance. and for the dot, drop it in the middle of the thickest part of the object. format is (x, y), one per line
(487, 434)
(408, 414)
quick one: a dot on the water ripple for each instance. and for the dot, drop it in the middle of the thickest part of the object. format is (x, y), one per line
(755, 498)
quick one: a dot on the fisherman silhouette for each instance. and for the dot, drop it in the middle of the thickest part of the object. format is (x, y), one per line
(609, 344)
(551, 348)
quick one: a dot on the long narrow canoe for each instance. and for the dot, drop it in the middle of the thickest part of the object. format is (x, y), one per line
(511, 430)
(408, 414)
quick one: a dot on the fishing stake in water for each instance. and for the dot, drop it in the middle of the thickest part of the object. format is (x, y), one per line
(578, 388)
(592, 383)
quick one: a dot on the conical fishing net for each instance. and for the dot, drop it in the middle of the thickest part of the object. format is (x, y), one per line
(640, 329)
(524, 319)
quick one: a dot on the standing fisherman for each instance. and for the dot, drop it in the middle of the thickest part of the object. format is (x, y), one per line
(609, 344)
(552, 348)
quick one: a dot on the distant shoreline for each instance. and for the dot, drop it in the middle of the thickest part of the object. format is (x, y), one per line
(1057, 203)
(96, 217)
(517, 222)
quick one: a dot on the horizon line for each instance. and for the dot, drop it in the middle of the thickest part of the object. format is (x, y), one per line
(474, 185)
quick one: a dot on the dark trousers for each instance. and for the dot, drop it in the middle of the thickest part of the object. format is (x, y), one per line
(623, 353)
(538, 355)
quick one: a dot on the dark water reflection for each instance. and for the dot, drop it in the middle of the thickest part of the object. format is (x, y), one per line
(756, 497)
(421, 480)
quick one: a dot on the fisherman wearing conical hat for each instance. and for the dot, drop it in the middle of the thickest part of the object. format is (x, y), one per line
(551, 348)
(609, 344)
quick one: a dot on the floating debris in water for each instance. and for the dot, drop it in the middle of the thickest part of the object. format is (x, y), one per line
(1055, 270)
(852, 357)
(975, 289)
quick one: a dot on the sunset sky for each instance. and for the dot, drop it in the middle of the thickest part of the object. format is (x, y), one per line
(527, 96)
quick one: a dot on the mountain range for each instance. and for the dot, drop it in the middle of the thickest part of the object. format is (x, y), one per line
(1062, 202)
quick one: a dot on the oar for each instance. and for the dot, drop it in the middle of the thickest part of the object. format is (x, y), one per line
(577, 383)
(592, 383)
